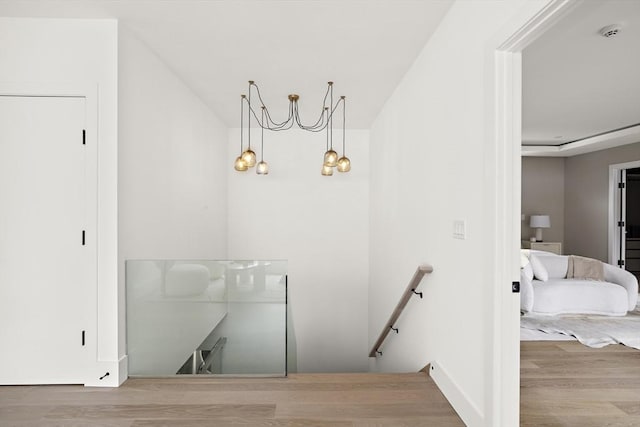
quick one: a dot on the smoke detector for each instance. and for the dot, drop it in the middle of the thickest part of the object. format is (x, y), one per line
(610, 30)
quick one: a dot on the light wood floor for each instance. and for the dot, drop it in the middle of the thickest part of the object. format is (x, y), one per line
(300, 400)
(563, 383)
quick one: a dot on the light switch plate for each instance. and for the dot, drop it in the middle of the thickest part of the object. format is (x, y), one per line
(459, 229)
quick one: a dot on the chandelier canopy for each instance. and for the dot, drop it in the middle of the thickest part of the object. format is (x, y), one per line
(247, 158)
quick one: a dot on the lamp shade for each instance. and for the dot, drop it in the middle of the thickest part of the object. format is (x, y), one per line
(540, 221)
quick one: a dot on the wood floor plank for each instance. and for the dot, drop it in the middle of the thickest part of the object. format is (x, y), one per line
(575, 385)
(631, 408)
(67, 423)
(568, 407)
(582, 394)
(155, 411)
(300, 400)
(579, 421)
(363, 410)
(234, 422)
(426, 421)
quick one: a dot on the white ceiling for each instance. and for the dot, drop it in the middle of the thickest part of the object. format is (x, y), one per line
(286, 46)
(578, 84)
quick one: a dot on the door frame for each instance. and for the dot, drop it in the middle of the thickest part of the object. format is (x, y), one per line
(504, 174)
(90, 94)
(614, 210)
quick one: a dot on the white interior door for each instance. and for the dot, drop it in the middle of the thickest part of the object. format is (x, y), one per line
(44, 253)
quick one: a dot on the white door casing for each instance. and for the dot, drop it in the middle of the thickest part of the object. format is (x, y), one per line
(617, 210)
(503, 180)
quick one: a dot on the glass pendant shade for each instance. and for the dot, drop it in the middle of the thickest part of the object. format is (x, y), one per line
(331, 158)
(262, 168)
(240, 164)
(344, 164)
(327, 170)
(249, 157)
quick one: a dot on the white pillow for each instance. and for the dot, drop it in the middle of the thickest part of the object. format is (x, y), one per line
(526, 289)
(527, 270)
(556, 265)
(539, 270)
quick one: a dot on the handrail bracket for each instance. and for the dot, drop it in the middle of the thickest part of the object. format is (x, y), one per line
(404, 299)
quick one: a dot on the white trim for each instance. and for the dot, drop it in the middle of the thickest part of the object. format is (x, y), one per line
(117, 369)
(538, 25)
(503, 361)
(605, 141)
(464, 406)
(614, 203)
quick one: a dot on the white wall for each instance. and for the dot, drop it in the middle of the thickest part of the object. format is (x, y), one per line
(435, 147)
(321, 226)
(543, 193)
(79, 53)
(172, 167)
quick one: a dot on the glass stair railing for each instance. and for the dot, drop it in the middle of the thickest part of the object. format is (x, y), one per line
(207, 318)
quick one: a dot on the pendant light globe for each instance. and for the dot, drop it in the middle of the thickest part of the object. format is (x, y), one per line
(344, 164)
(331, 158)
(240, 165)
(249, 157)
(327, 170)
(262, 168)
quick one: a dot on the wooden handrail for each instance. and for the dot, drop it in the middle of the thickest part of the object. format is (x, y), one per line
(406, 295)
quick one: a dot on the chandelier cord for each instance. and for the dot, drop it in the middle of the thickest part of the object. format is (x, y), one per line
(269, 119)
(262, 138)
(344, 120)
(331, 119)
(327, 111)
(294, 114)
(249, 118)
(241, 123)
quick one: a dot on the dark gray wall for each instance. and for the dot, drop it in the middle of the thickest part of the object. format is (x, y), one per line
(543, 190)
(587, 199)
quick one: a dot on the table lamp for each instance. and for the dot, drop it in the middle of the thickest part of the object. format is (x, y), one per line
(539, 222)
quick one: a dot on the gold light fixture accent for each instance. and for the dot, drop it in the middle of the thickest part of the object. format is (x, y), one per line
(240, 165)
(262, 168)
(249, 157)
(344, 164)
(331, 160)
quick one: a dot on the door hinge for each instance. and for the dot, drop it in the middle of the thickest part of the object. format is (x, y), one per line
(83, 237)
(620, 223)
(621, 185)
(515, 287)
(621, 263)
(83, 336)
(84, 137)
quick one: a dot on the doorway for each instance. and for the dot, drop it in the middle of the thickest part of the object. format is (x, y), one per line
(632, 243)
(624, 226)
(46, 254)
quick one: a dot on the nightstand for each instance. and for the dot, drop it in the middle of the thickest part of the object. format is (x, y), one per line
(554, 247)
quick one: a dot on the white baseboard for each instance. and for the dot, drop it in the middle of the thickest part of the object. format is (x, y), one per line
(108, 373)
(458, 399)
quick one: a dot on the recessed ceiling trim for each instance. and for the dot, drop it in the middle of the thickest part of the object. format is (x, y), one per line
(603, 141)
(582, 139)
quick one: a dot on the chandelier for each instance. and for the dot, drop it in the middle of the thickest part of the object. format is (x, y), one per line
(247, 158)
